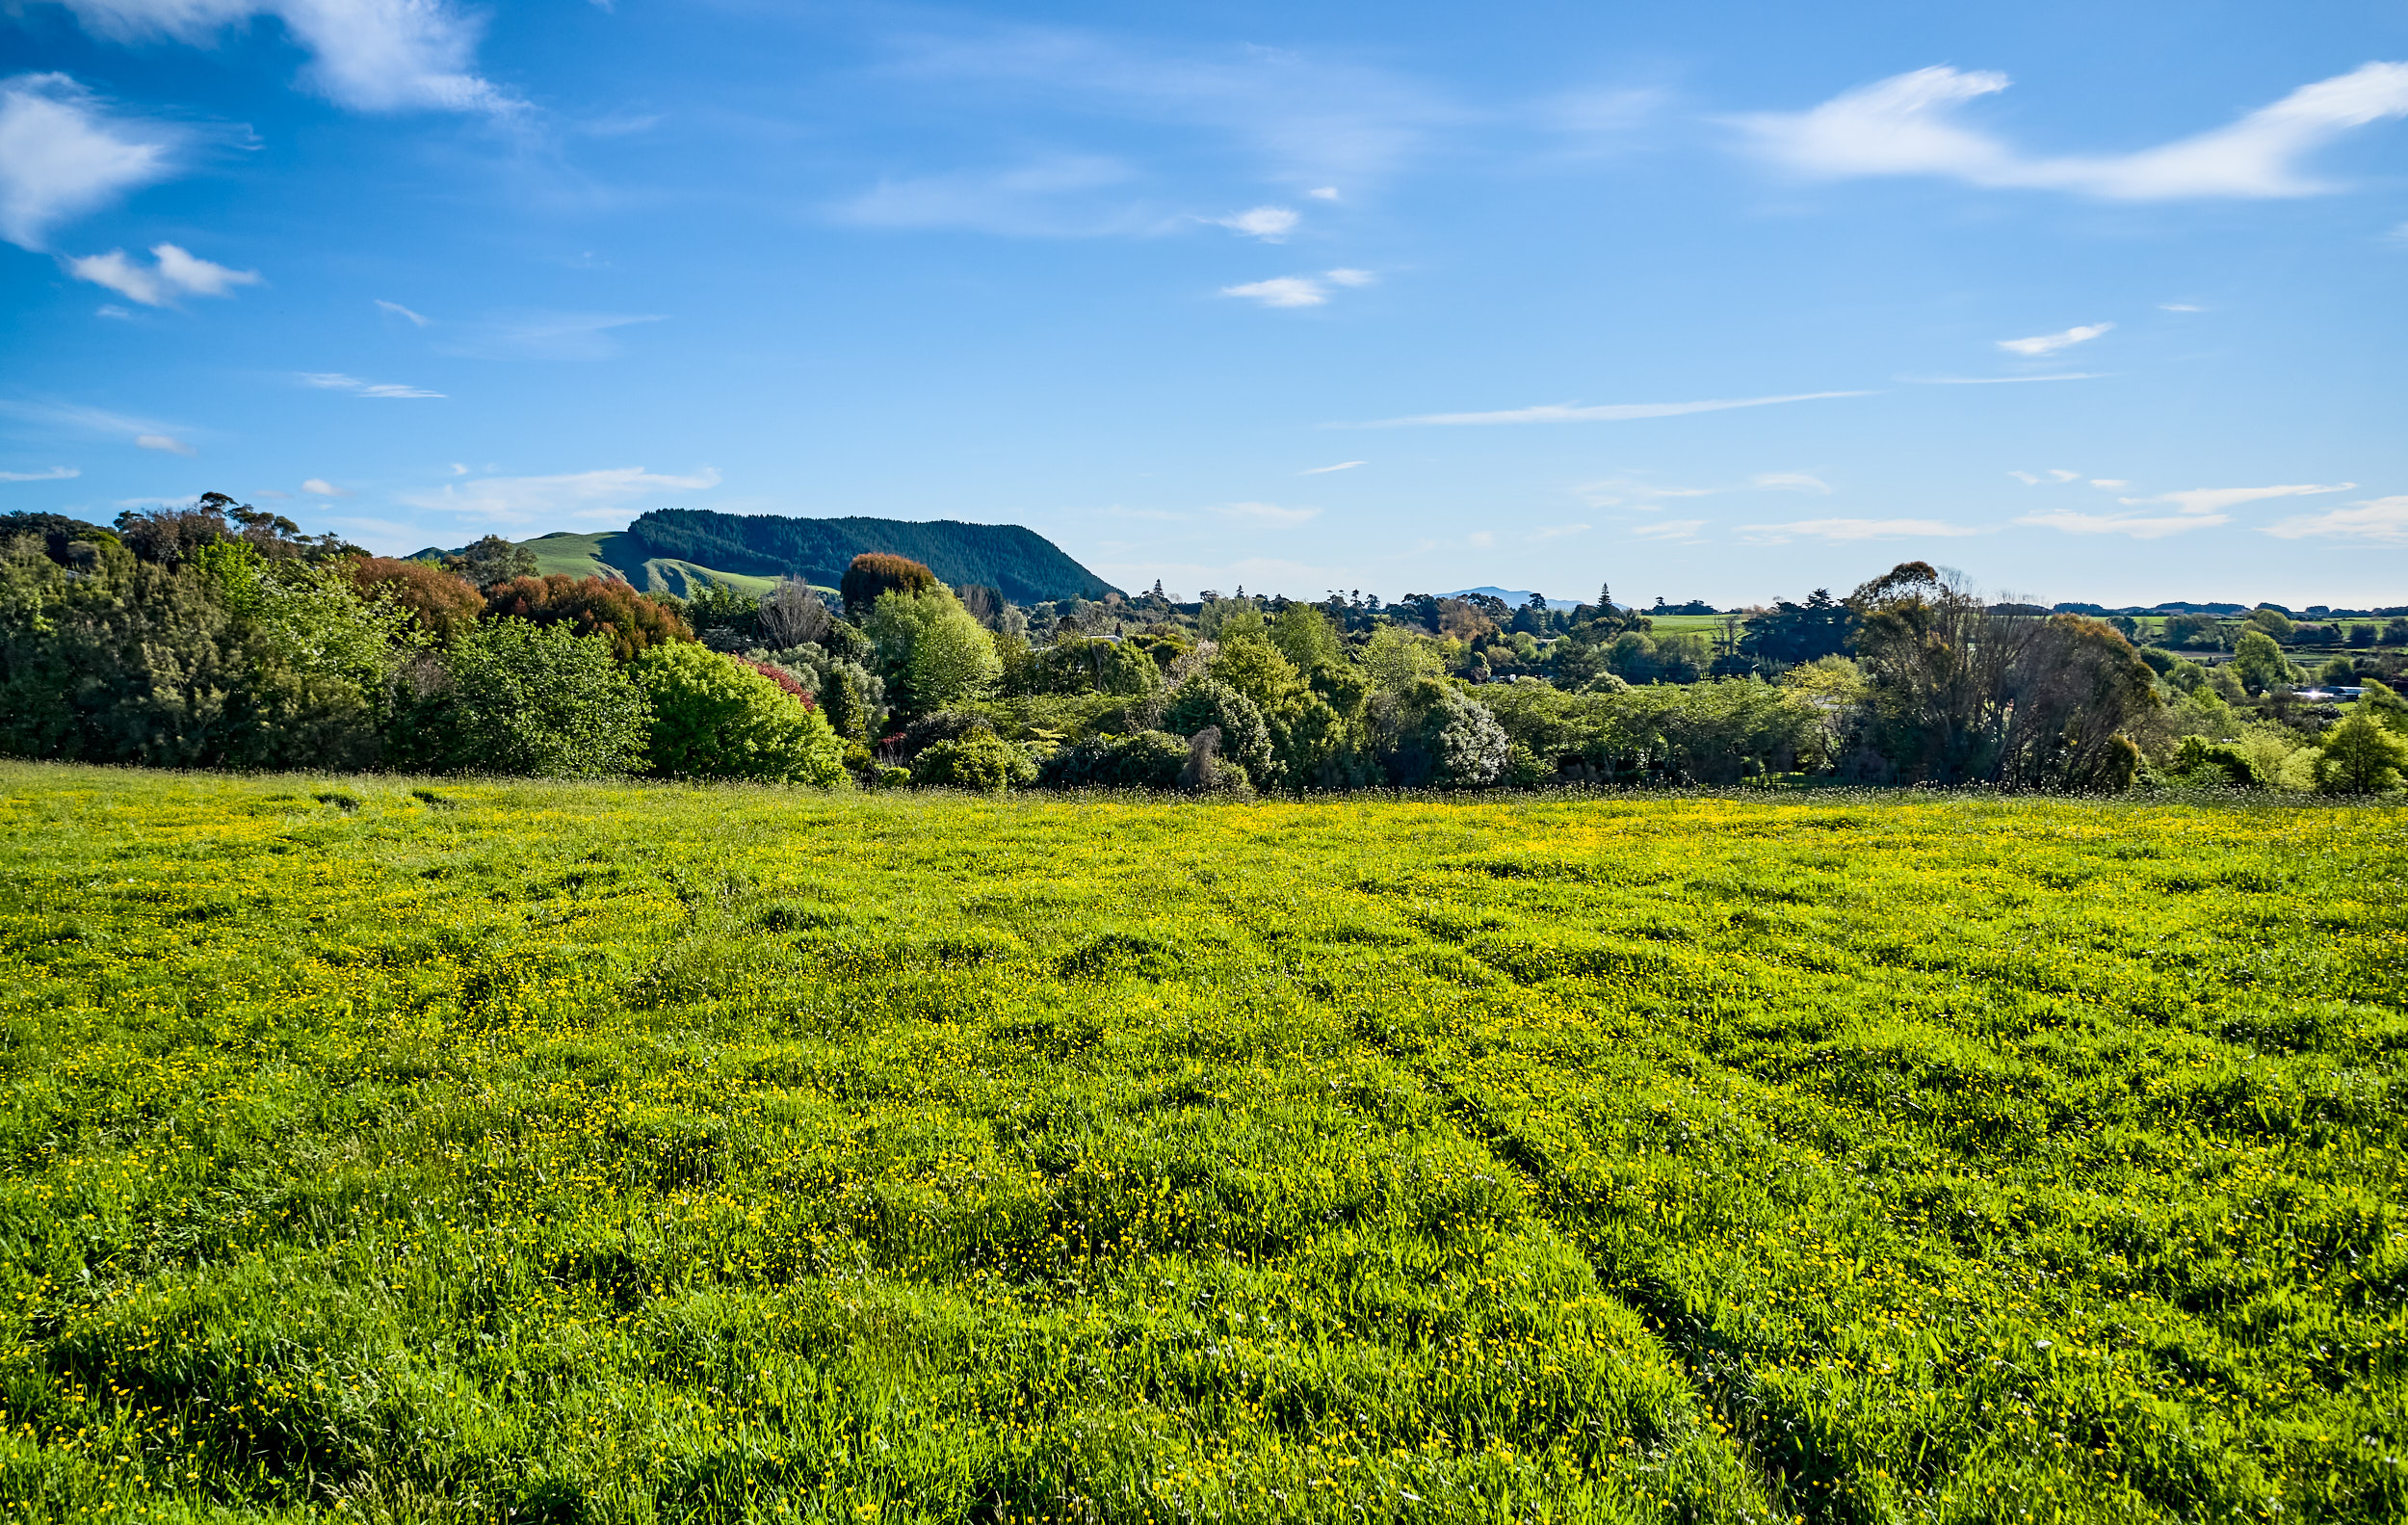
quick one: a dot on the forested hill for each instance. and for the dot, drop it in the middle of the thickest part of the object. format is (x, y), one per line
(1025, 565)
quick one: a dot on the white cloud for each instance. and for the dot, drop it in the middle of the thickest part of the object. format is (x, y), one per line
(1049, 197)
(1264, 513)
(173, 273)
(320, 487)
(397, 310)
(536, 335)
(2040, 344)
(1790, 482)
(1480, 539)
(2109, 482)
(61, 156)
(54, 474)
(2055, 476)
(1281, 291)
(2140, 527)
(1993, 380)
(1670, 529)
(1907, 124)
(370, 55)
(585, 497)
(2215, 500)
(1614, 492)
(2379, 521)
(2179, 307)
(1325, 193)
(1343, 466)
(338, 381)
(110, 309)
(1352, 277)
(1608, 412)
(1269, 224)
(1854, 530)
(166, 442)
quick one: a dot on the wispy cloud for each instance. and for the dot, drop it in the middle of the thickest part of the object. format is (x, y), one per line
(416, 320)
(164, 442)
(1996, 380)
(1264, 513)
(1281, 291)
(370, 55)
(2138, 526)
(1343, 466)
(2040, 344)
(321, 487)
(2180, 306)
(173, 273)
(338, 381)
(1056, 196)
(1269, 224)
(2055, 476)
(1669, 528)
(1324, 193)
(2376, 521)
(2216, 500)
(1607, 412)
(582, 497)
(63, 154)
(1854, 530)
(54, 474)
(1908, 125)
(535, 335)
(1352, 277)
(1614, 492)
(78, 421)
(1790, 482)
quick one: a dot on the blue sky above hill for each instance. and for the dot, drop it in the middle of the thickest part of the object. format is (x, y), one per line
(1721, 301)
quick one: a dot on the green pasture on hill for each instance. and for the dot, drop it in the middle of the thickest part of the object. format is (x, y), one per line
(494, 1151)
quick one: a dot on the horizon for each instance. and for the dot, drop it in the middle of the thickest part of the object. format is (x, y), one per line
(1722, 306)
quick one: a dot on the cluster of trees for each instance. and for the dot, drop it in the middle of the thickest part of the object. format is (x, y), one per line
(222, 637)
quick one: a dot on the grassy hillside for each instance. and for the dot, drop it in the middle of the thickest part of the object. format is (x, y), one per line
(1026, 567)
(640, 1153)
(615, 552)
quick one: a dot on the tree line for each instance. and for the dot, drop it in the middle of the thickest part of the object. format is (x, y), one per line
(220, 636)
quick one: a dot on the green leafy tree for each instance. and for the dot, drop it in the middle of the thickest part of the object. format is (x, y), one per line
(1433, 735)
(2341, 670)
(713, 716)
(491, 561)
(525, 700)
(1140, 760)
(1306, 637)
(2274, 624)
(2259, 662)
(1244, 739)
(2358, 757)
(933, 654)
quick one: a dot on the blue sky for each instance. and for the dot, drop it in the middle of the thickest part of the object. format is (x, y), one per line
(1721, 300)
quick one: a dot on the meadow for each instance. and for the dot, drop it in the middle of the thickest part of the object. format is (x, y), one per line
(491, 1151)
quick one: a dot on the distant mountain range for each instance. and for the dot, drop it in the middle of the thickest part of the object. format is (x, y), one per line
(1517, 598)
(677, 550)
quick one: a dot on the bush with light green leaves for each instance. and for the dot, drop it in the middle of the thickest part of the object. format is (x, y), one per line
(714, 717)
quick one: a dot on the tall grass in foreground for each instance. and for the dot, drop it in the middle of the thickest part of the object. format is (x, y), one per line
(490, 1151)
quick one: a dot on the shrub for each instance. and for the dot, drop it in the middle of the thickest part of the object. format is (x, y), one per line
(2259, 661)
(873, 574)
(715, 717)
(1244, 739)
(980, 760)
(1143, 761)
(492, 560)
(441, 605)
(512, 697)
(589, 605)
(1432, 736)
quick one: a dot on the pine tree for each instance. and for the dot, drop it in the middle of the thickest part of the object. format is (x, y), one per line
(1605, 599)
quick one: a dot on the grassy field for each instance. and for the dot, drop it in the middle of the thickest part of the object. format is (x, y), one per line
(481, 1151)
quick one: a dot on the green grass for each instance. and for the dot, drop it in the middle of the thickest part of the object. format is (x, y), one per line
(616, 554)
(494, 1151)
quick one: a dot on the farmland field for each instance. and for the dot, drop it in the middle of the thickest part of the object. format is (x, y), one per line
(568, 1153)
